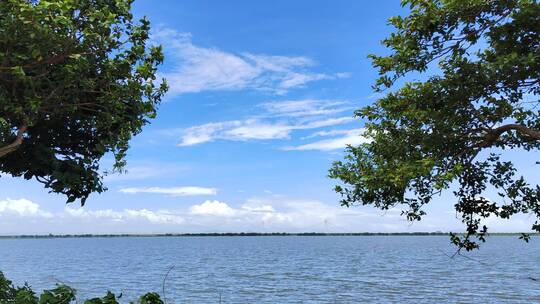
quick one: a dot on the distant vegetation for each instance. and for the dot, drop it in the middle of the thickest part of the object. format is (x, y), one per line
(46, 236)
(478, 65)
(62, 294)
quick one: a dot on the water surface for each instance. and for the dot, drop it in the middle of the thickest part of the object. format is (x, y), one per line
(281, 269)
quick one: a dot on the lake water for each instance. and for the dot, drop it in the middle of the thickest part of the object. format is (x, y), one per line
(282, 269)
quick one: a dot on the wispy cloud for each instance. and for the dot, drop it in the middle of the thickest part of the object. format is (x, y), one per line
(174, 191)
(305, 107)
(194, 68)
(348, 137)
(140, 171)
(251, 129)
(274, 120)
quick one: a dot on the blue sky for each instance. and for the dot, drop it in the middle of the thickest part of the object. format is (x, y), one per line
(261, 102)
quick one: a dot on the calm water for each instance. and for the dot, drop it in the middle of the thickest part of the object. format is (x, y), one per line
(281, 269)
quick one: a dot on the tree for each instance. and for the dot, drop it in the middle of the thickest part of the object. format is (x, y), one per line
(77, 81)
(480, 61)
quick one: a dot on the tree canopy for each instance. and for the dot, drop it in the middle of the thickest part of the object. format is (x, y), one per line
(77, 81)
(478, 62)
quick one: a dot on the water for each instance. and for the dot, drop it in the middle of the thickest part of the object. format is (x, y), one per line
(343, 269)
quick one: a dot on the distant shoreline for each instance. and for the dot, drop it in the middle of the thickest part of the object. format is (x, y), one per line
(52, 236)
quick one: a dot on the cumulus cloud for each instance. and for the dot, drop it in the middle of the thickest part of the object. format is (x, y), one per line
(215, 208)
(194, 68)
(348, 137)
(258, 215)
(175, 191)
(210, 215)
(126, 215)
(21, 207)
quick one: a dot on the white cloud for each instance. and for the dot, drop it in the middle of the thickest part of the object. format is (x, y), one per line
(326, 123)
(330, 133)
(259, 215)
(124, 216)
(350, 137)
(145, 171)
(250, 129)
(273, 121)
(305, 107)
(175, 191)
(215, 208)
(159, 217)
(254, 129)
(21, 207)
(258, 207)
(195, 69)
(206, 132)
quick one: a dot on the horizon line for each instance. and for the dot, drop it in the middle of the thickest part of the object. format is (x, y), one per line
(233, 234)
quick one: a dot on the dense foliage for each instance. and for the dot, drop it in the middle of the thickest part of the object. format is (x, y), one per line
(62, 294)
(77, 81)
(478, 62)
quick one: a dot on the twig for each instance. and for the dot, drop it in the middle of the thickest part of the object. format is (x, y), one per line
(163, 284)
(458, 253)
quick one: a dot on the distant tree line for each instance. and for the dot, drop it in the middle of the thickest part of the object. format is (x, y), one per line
(217, 234)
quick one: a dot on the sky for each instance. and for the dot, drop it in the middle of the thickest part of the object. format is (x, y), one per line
(261, 103)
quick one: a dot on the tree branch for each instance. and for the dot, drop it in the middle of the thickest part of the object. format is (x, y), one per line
(493, 135)
(15, 144)
(51, 60)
